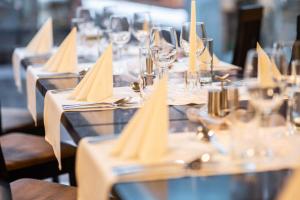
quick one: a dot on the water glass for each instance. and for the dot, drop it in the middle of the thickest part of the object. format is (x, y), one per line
(185, 37)
(163, 46)
(295, 111)
(91, 37)
(141, 26)
(119, 32)
(205, 61)
(84, 13)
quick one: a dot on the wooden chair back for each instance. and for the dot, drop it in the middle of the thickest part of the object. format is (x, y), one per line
(248, 32)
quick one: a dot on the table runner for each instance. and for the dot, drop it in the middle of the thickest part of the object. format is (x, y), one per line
(94, 164)
(53, 110)
(18, 55)
(32, 75)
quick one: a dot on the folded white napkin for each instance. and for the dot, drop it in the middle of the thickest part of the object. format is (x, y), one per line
(18, 55)
(145, 136)
(42, 42)
(266, 69)
(32, 75)
(94, 164)
(31, 78)
(97, 84)
(65, 59)
(291, 189)
(53, 110)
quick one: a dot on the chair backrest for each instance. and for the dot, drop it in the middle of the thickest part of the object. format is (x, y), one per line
(3, 172)
(248, 32)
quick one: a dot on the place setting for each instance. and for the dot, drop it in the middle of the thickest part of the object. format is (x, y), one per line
(158, 100)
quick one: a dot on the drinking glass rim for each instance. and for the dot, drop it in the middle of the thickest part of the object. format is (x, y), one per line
(189, 22)
(162, 27)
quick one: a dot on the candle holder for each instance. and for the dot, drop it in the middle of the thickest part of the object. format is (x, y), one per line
(191, 80)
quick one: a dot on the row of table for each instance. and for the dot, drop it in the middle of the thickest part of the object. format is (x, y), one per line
(102, 123)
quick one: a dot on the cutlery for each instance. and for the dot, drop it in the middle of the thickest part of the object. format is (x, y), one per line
(81, 73)
(120, 102)
(58, 75)
(194, 164)
(208, 135)
(61, 90)
(138, 87)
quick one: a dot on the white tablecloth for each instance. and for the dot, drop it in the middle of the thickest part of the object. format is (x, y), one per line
(32, 75)
(18, 55)
(177, 95)
(53, 110)
(94, 164)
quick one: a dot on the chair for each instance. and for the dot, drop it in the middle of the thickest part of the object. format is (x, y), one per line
(30, 189)
(248, 32)
(19, 120)
(30, 156)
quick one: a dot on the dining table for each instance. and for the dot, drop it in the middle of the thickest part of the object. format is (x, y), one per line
(99, 124)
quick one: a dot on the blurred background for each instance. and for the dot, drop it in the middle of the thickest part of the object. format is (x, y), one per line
(20, 19)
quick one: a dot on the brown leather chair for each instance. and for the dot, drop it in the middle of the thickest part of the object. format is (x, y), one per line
(30, 156)
(31, 189)
(19, 120)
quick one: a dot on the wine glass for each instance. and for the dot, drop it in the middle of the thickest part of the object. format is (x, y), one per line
(84, 13)
(119, 32)
(103, 19)
(163, 47)
(265, 95)
(141, 26)
(287, 59)
(185, 37)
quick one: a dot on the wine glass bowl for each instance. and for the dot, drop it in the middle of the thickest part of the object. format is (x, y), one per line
(185, 37)
(141, 26)
(163, 46)
(119, 31)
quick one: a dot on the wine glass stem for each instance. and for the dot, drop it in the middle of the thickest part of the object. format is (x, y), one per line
(163, 71)
(119, 52)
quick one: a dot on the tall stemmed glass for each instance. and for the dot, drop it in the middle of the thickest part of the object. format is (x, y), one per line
(286, 57)
(265, 95)
(163, 47)
(120, 32)
(84, 13)
(141, 26)
(185, 37)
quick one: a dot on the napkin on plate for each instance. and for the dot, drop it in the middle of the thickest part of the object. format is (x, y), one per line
(97, 84)
(65, 59)
(145, 137)
(265, 73)
(42, 42)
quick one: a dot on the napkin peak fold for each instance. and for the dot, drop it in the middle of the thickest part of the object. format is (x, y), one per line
(145, 136)
(65, 59)
(193, 38)
(266, 69)
(97, 84)
(42, 42)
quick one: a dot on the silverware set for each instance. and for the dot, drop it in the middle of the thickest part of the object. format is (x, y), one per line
(121, 103)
